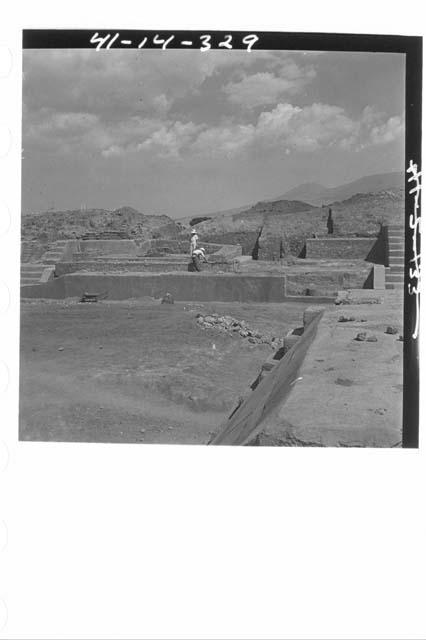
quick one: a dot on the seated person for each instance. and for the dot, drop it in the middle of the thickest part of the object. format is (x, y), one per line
(198, 256)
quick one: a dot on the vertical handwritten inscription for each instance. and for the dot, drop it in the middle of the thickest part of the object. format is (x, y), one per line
(414, 222)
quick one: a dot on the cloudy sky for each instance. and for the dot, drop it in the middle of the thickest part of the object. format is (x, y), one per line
(187, 132)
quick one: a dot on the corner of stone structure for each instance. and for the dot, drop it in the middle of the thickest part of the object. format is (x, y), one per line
(310, 313)
(379, 276)
(47, 274)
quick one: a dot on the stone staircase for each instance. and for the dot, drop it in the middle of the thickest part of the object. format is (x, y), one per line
(394, 272)
(37, 265)
(31, 273)
(31, 251)
(54, 254)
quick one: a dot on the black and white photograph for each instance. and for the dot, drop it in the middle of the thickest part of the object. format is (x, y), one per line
(210, 320)
(214, 240)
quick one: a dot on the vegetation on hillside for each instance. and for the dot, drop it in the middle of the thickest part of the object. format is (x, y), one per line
(61, 225)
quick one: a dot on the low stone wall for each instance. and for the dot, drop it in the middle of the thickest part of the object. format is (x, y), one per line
(105, 247)
(328, 282)
(53, 289)
(201, 287)
(346, 248)
(137, 266)
(269, 392)
(131, 248)
(176, 246)
(226, 252)
(246, 239)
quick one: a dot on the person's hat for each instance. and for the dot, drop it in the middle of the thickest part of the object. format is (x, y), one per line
(193, 231)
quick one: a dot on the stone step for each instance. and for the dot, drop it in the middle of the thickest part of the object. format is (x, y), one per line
(31, 269)
(25, 281)
(394, 286)
(392, 267)
(396, 227)
(394, 279)
(35, 275)
(397, 253)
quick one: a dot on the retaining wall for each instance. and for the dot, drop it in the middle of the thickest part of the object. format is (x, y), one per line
(105, 247)
(346, 248)
(246, 239)
(201, 287)
(177, 245)
(124, 266)
(328, 281)
(269, 394)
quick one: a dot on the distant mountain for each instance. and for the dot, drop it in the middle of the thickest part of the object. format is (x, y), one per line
(317, 194)
(214, 214)
(273, 207)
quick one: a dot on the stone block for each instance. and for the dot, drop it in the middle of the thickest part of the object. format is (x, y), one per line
(289, 341)
(310, 313)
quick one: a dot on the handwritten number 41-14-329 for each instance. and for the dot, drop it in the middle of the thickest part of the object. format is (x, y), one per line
(108, 40)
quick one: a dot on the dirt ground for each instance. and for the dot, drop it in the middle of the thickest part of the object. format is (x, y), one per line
(343, 392)
(137, 371)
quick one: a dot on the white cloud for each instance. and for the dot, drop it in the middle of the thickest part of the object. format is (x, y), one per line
(168, 141)
(303, 129)
(389, 131)
(64, 123)
(117, 102)
(265, 88)
(119, 83)
(223, 141)
(376, 129)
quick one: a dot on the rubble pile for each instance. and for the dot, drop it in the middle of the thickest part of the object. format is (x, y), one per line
(231, 325)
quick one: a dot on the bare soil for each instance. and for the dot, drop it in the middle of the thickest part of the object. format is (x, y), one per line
(137, 371)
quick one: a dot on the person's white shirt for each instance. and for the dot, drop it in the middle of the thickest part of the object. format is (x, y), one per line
(200, 253)
(193, 244)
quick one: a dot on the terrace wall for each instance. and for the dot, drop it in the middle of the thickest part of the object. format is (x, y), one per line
(328, 282)
(124, 266)
(345, 248)
(108, 247)
(202, 287)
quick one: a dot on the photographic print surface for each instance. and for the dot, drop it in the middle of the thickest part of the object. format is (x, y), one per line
(215, 239)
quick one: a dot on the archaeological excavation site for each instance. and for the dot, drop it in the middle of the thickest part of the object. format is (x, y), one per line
(288, 333)
(215, 245)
